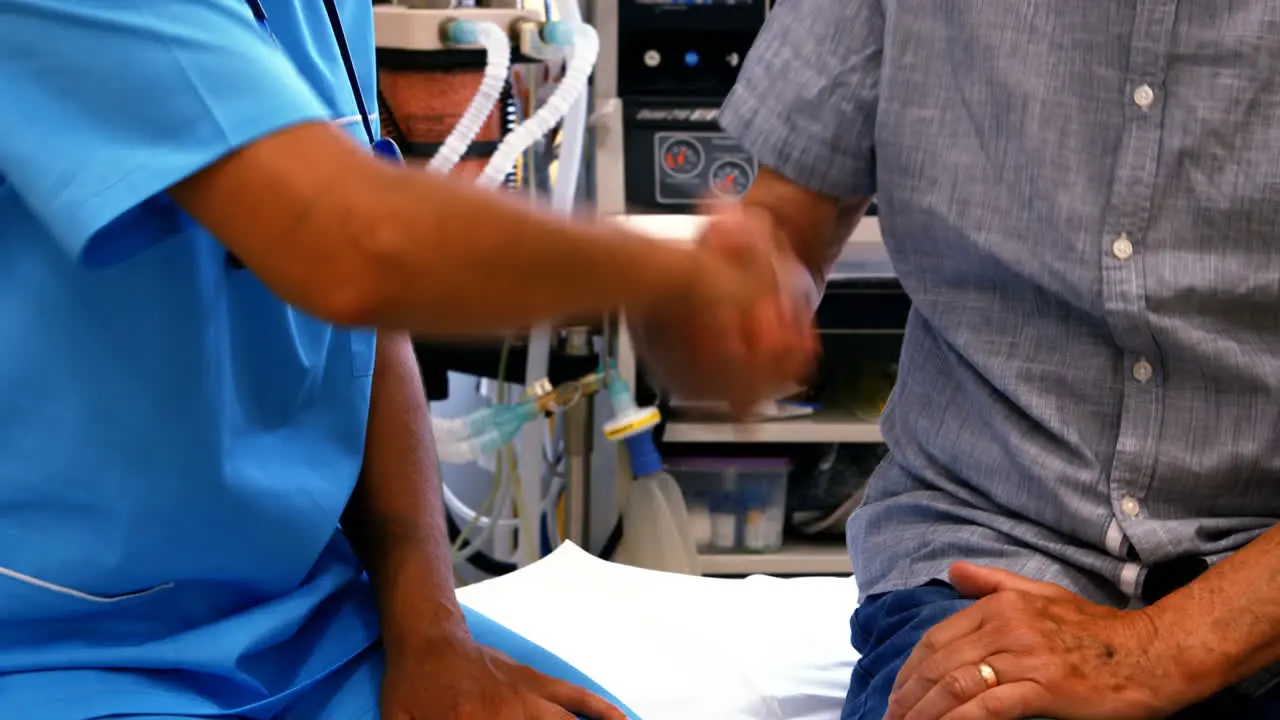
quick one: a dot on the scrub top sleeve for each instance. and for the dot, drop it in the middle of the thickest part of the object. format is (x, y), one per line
(806, 98)
(105, 104)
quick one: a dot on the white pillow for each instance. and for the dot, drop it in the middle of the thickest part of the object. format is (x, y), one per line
(674, 647)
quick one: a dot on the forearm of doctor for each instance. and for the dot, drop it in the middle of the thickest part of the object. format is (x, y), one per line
(395, 519)
(814, 226)
(359, 241)
(1225, 626)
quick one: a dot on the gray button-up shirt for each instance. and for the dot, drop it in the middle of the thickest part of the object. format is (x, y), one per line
(1083, 201)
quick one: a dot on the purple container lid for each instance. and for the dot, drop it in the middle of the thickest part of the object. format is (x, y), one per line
(718, 464)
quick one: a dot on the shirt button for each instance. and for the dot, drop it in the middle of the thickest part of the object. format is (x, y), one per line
(1122, 248)
(1143, 95)
(1142, 371)
(1129, 506)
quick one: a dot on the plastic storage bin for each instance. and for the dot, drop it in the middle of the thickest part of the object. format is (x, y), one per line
(736, 505)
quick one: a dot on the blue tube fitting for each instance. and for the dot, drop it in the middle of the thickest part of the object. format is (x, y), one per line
(462, 32)
(559, 33)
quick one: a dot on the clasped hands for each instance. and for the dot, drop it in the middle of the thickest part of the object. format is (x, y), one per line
(745, 334)
(1028, 649)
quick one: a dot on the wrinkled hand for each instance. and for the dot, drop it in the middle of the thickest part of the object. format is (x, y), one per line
(745, 334)
(1054, 654)
(461, 680)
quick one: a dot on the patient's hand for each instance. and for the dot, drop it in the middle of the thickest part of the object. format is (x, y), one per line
(1052, 654)
(461, 680)
(720, 354)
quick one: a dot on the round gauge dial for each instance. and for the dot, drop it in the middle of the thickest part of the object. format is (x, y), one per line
(731, 178)
(682, 157)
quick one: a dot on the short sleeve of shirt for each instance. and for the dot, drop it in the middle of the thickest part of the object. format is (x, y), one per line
(805, 101)
(105, 104)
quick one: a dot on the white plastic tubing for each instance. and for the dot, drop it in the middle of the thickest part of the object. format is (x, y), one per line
(569, 101)
(497, 47)
(584, 51)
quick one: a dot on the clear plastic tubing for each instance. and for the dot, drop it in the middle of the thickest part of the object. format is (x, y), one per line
(505, 420)
(457, 429)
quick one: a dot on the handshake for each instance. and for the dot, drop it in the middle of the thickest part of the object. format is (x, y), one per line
(742, 331)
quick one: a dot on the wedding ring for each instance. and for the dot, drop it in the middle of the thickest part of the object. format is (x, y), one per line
(988, 675)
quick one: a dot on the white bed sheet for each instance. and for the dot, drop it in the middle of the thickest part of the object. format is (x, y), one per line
(674, 647)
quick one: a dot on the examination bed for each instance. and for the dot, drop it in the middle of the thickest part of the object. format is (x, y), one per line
(675, 647)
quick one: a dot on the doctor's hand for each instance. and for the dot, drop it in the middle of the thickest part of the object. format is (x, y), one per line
(458, 679)
(1033, 649)
(740, 349)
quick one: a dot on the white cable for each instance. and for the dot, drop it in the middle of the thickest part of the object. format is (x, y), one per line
(586, 49)
(571, 93)
(465, 514)
(505, 492)
(573, 138)
(577, 77)
(497, 46)
(486, 525)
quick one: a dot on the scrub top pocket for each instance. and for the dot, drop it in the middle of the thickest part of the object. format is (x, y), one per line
(24, 597)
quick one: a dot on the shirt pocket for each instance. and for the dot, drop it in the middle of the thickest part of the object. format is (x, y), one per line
(24, 597)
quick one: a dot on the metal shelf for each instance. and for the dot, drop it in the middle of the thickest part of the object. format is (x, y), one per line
(794, 559)
(813, 429)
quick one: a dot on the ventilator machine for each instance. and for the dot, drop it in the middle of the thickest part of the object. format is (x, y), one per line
(537, 433)
(491, 92)
(530, 97)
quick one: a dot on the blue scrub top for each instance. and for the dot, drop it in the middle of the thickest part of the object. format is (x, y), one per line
(178, 444)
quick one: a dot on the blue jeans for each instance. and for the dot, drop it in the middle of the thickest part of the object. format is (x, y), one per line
(886, 628)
